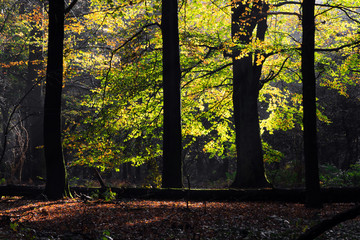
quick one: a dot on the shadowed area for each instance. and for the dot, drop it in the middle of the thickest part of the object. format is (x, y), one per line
(143, 219)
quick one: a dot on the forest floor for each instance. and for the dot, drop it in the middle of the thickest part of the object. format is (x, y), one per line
(143, 219)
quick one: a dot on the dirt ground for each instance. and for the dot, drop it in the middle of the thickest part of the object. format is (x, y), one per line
(142, 219)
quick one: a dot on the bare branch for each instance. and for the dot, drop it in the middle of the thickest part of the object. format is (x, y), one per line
(7, 128)
(285, 13)
(208, 74)
(211, 49)
(272, 75)
(68, 9)
(337, 48)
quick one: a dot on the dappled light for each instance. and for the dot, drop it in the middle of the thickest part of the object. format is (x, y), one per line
(144, 219)
(179, 119)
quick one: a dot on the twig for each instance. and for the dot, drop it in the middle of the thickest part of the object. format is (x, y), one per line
(188, 192)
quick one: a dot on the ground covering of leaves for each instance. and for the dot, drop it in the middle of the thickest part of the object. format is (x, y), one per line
(144, 219)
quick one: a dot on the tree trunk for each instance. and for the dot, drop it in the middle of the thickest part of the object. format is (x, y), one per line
(250, 166)
(309, 103)
(56, 176)
(172, 144)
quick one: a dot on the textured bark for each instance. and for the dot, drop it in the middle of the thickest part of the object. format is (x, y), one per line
(172, 144)
(56, 176)
(246, 77)
(309, 103)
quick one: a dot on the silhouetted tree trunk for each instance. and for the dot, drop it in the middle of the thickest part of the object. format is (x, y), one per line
(246, 77)
(172, 144)
(56, 176)
(309, 103)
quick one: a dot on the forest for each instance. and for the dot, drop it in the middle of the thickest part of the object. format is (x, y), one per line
(193, 106)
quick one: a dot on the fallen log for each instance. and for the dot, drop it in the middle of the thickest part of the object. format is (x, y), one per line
(285, 195)
(327, 224)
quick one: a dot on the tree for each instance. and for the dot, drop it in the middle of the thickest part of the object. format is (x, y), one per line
(312, 182)
(56, 175)
(246, 85)
(13, 56)
(172, 146)
(34, 101)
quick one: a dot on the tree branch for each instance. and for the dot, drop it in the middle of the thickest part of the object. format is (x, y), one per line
(7, 128)
(285, 13)
(68, 9)
(187, 70)
(337, 48)
(208, 74)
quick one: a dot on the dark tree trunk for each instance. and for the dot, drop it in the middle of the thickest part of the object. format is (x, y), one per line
(246, 77)
(172, 144)
(309, 103)
(56, 176)
(125, 172)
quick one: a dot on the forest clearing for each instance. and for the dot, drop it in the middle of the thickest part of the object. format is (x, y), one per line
(145, 219)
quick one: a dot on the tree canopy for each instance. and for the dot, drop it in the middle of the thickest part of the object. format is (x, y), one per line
(113, 72)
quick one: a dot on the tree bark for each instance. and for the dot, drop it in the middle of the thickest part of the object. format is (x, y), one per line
(172, 143)
(312, 184)
(56, 175)
(250, 167)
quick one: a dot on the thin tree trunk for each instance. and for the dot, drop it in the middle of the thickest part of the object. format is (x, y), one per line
(172, 144)
(309, 103)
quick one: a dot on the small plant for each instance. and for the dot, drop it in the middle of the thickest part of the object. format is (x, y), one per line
(106, 235)
(153, 179)
(109, 195)
(14, 226)
(285, 177)
(230, 176)
(73, 181)
(2, 181)
(354, 174)
(331, 176)
(95, 195)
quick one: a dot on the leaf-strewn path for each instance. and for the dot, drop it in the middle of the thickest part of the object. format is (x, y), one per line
(140, 219)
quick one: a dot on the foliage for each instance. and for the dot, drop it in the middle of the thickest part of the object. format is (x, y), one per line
(112, 107)
(73, 181)
(230, 177)
(14, 226)
(153, 178)
(106, 235)
(331, 176)
(107, 195)
(271, 155)
(284, 177)
(119, 120)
